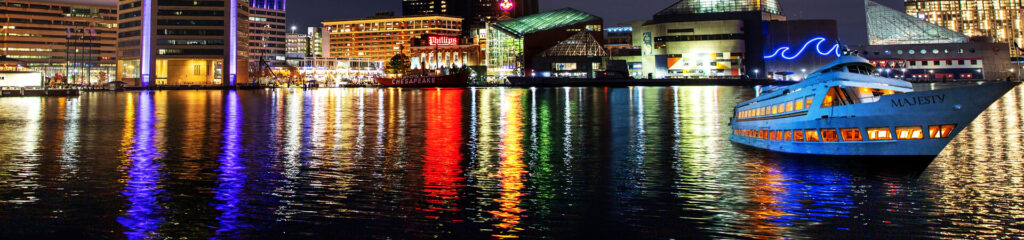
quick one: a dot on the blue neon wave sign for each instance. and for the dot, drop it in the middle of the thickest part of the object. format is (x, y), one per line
(783, 52)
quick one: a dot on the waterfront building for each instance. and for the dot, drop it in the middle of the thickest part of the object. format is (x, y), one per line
(721, 38)
(338, 71)
(579, 56)
(316, 39)
(67, 43)
(183, 42)
(267, 20)
(382, 37)
(513, 44)
(974, 60)
(475, 13)
(887, 26)
(619, 40)
(1000, 20)
(439, 52)
(905, 46)
(296, 45)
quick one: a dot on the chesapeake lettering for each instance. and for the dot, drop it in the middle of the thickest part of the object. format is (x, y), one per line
(920, 100)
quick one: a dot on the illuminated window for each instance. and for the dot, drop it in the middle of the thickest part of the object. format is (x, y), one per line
(778, 135)
(788, 136)
(810, 100)
(812, 135)
(882, 133)
(904, 133)
(775, 109)
(799, 105)
(771, 136)
(940, 131)
(834, 97)
(829, 135)
(851, 134)
(789, 106)
(798, 136)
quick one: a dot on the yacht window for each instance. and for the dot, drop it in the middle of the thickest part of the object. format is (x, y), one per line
(788, 136)
(810, 100)
(771, 136)
(904, 133)
(940, 131)
(775, 109)
(799, 104)
(870, 95)
(835, 97)
(851, 134)
(789, 106)
(880, 133)
(778, 135)
(829, 135)
(812, 135)
(798, 136)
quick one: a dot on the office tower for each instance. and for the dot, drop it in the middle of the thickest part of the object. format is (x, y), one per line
(71, 40)
(267, 26)
(474, 12)
(183, 42)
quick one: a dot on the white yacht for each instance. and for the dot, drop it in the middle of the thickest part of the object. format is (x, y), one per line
(843, 110)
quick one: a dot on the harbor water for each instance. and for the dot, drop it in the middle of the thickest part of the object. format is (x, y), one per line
(474, 163)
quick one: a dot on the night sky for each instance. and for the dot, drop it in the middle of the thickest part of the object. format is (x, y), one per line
(303, 13)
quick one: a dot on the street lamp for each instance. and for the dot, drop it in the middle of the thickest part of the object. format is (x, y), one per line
(294, 28)
(756, 75)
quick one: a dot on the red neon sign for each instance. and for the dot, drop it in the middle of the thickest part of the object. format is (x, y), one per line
(442, 41)
(506, 5)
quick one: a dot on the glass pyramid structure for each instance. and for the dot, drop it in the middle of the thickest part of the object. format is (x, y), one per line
(686, 7)
(887, 26)
(581, 44)
(544, 21)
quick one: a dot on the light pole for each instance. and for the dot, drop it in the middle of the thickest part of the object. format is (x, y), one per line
(756, 75)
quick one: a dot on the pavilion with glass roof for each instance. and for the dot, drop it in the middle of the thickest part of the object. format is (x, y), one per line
(887, 26)
(512, 44)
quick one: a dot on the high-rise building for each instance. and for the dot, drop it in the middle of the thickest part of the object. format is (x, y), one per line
(316, 39)
(303, 45)
(267, 26)
(296, 45)
(183, 42)
(72, 40)
(1000, 20)
(474, 12)
(381, 38)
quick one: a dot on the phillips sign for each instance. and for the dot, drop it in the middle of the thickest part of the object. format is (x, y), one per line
(442, 41)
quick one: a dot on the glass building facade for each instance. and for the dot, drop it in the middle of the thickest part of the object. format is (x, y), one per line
(504, 55)
(722, 6)
(1000, 20)
(887, 26)
(506, 44)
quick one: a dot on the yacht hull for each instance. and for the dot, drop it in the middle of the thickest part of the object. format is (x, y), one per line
(959, 106)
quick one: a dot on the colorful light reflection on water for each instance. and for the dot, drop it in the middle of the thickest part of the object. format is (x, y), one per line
(647, 162)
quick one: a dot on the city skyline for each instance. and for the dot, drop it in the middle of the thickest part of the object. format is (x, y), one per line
(613, 11)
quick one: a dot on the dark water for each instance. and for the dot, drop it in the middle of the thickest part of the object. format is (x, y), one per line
(651, 163)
